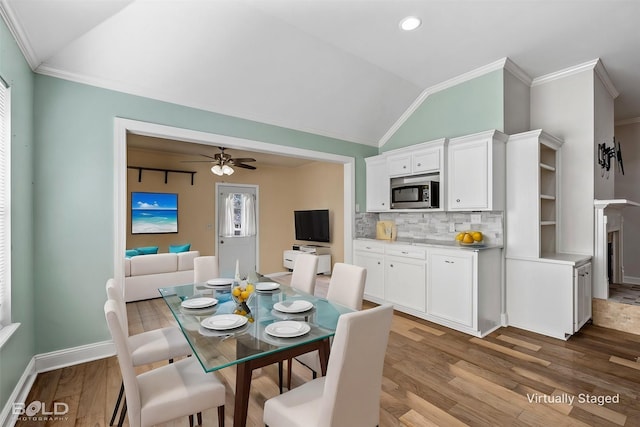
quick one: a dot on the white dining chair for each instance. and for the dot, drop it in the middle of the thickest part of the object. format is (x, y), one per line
(165, 393)
(349, 395)
(304, 273)
(346, 288)
(146, 347)
(205, 268)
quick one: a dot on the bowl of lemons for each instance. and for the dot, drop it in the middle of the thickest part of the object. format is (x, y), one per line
(470, 238)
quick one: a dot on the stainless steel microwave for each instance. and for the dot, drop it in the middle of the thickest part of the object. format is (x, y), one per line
(415, 192)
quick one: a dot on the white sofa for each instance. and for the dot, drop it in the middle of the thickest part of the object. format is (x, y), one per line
(144, 274)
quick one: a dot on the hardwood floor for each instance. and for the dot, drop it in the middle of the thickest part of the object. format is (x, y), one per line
(432, 376)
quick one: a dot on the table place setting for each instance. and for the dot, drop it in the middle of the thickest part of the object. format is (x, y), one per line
(224, 322)
(293, 306)
(218, 283)
(267, 286)
(199, 302)
(287, 329)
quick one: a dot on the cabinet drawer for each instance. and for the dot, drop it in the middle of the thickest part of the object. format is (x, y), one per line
(375, 248)
(399, 165)
(426, 161)
(407, 252)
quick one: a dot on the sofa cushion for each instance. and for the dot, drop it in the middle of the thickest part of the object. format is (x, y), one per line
(185, 260)
(179, 248)
(147, 250)
(154, 264)
(131, 252)
(127, 267)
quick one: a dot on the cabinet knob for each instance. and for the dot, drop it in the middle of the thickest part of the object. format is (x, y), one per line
(378, 262)
(419, 164)
(458, 200)
(390, 265)
(449, 262)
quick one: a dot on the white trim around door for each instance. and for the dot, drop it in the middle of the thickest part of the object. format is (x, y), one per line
(122, 127)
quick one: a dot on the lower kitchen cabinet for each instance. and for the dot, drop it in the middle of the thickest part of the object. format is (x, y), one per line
(550, 296)
(404, 279)
(459, 288)
(371, 257)
(464, 289)
(452, 286)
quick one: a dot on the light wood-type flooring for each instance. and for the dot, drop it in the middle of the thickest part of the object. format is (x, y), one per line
(432, 376)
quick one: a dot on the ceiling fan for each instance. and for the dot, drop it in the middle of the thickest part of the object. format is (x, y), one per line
(223, 163)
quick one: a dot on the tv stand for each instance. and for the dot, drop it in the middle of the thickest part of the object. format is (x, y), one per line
(324, 258)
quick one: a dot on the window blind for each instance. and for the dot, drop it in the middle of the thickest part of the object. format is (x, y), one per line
(5, 205)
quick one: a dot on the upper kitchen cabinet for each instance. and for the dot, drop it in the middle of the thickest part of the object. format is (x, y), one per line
(533, 194)
(423, 159)
(476, 172)
(378, 187)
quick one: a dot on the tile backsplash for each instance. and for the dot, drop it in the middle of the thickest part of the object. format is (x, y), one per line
(436, 225)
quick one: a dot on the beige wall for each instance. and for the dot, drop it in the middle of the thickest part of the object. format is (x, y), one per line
(317, 185)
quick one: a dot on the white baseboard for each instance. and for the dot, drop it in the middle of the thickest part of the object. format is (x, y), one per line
(48, 362)
(20, 392)
(73, 356)
(631, 280)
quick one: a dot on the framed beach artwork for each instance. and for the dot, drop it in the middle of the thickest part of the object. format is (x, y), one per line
(153, 213)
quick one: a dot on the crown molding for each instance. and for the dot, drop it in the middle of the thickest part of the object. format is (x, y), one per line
(601, 72)
(478, 72)
(517, 72)
(18, 34)
(593, 65)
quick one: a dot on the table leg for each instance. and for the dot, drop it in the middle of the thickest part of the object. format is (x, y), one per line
(243, 388)
(323, 352)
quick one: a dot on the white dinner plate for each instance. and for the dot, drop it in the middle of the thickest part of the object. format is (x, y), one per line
(223, 322)
(295, 306)
(200, 302)
(220, 281)
(287, 329)
(267, 286)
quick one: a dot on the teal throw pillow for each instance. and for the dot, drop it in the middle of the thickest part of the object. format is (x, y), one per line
(130, 253)
(147, 250)
(179, 248)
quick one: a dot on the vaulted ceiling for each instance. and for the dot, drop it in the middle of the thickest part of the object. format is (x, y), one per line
(339, 68)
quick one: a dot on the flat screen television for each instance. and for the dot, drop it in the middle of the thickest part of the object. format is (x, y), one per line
(312, 225)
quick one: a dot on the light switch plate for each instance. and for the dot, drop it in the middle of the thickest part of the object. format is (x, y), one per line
(476, 219)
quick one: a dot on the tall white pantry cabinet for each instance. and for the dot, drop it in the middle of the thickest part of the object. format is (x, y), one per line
(547, 291)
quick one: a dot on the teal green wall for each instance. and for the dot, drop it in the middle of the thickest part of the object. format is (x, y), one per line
(74, 213)
(469, 107)
(18, 351)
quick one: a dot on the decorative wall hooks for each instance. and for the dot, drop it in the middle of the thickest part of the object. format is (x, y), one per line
(606, 153)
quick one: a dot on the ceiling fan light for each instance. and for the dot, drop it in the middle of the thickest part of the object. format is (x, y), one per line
(217, 170)
(227, 170)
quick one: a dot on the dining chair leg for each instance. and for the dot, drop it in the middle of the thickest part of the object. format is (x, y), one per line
(123, 413)
(199, 418)
(289, 369)
(280, 375)
(118, 401)
(191, 420)
(221, 416)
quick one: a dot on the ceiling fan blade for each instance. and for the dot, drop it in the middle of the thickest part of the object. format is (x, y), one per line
(242, 165)
(215, 157)
(198, 161)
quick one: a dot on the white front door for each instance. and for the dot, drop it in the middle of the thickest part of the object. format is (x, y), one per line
(237, 228)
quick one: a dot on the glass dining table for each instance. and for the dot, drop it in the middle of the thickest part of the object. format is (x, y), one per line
(275, 324)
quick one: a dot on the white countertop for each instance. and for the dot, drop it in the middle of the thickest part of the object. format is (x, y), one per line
(432, 243)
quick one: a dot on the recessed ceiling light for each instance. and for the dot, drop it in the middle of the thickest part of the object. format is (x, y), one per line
(410, 23)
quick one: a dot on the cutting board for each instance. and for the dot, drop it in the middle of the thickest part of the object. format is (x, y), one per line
(386, 230)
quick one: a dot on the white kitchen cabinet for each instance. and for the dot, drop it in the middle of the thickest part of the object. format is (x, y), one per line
(404, 277)
(451, 286)
(417, 162)
(476, 172)
(378, 186)
(370, 255)
(464, 289)
(582, 305)
(547, 295)
(533, 194)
